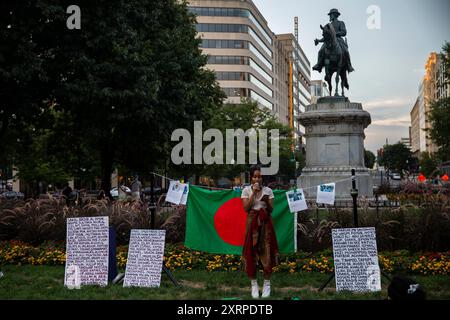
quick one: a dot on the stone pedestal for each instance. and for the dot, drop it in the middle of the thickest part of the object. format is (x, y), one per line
(334, 146)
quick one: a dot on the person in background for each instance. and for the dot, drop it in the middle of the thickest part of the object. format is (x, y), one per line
(122, 191)
(101, 195)
(260, 244)
(67, 190)
(136, 186)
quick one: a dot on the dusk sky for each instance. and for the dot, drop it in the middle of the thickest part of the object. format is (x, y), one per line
(389, 61)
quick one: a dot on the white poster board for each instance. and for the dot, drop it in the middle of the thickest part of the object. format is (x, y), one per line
(145, 258)
(184, 197)
(326, 193)
(175, 192)
(87, 251)
(296, 200)
(356, 260)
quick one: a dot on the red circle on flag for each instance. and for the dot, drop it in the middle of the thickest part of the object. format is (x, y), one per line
(230, 222)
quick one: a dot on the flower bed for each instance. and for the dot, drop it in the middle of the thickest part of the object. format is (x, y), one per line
(181, 258)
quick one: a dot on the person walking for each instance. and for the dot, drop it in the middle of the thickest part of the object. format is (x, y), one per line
(260, 244)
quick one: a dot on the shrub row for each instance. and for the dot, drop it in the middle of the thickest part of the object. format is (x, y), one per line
(178, 257)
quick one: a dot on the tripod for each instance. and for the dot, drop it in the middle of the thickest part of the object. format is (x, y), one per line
(152, 224)
(354, 194)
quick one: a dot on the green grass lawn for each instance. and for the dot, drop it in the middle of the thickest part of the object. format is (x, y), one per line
(46, 282)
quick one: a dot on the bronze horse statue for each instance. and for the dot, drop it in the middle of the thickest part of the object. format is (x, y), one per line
(335, 61)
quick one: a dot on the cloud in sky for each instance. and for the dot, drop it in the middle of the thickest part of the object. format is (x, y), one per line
(403, 121)
(376, 135)
(395, 102)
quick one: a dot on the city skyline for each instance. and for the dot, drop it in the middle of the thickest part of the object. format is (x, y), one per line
(389, 61)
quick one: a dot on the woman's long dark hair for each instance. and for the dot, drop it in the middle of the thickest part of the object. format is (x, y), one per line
(254, 168)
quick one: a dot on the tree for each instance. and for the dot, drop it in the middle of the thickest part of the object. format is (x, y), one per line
(369, 159)
(396, 157)
(440, 129)
(245, 115)
(445, 56)
(428, 163)
(23, 76)
(130, 76)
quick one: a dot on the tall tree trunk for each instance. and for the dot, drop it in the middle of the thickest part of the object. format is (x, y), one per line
(106, 164)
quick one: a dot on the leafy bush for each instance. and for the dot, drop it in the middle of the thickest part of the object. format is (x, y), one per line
(421, 223)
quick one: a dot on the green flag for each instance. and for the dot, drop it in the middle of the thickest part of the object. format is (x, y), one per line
(216, 221)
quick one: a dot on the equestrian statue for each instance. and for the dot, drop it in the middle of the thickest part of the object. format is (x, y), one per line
(334, 54)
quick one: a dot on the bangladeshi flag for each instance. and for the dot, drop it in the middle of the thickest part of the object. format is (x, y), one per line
(216, 221)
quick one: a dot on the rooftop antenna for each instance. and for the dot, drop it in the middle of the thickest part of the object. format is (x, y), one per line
(296, 28)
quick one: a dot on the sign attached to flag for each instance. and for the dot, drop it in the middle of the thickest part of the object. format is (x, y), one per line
(184, 197)
(296, 200)
(175, 192)
(216, 221)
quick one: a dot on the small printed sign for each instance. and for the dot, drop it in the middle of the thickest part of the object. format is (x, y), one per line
(326, 193)
(296, 200)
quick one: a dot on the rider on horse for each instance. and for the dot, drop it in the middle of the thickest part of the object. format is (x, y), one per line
(341, 31)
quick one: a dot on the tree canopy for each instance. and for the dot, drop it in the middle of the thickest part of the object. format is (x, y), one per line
(396, 157)
(130, 76)
(369, 159)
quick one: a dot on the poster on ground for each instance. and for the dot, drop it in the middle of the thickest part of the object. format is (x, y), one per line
(87, 251)
(356, 260)
(145, 258)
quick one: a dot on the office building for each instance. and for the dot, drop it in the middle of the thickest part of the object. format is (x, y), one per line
(415, 129)
(251, 61)
(299, 83)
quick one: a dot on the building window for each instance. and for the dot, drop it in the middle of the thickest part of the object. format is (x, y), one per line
(224, 44)
(233, 28)
(235, 92)
(238, 60)
(231, 76)
(232, 12)
(262, 101)
(260, 56)
(261, 85)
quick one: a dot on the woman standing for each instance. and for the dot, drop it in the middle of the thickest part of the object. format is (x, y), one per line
(260, 242)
